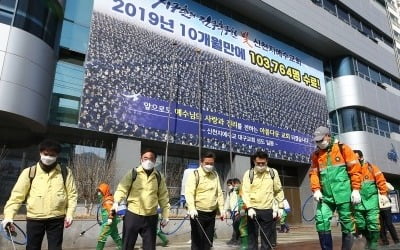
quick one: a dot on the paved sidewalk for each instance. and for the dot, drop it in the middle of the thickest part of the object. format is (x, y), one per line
(302, 237)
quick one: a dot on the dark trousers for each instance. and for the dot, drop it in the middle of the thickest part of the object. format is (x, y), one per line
(135, 224)
(274, 234)
(207, 221)
(35, 230)
(235, 226)
(264, 217)
(387, 224)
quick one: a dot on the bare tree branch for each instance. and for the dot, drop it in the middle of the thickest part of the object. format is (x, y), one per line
(90, 168)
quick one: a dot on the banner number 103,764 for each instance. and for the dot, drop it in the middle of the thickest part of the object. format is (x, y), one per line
(276, 67)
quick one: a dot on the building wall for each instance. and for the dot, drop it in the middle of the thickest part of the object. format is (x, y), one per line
(27, 69)
(355, 91)
(332, 28)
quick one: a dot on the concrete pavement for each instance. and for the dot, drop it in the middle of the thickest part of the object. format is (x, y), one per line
(300, 237)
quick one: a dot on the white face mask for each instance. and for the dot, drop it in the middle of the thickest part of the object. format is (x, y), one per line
(260, 169)
(208, 168)
(47, 160)
(148, 165)
(323, 145)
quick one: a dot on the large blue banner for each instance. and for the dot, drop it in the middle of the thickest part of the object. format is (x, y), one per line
(178, 70)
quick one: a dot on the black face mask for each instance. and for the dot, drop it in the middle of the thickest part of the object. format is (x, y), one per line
(48, 168)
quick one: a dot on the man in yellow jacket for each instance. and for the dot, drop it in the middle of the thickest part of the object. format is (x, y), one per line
(144, 193)
(261, 186)
(204, 199)
(51, 197)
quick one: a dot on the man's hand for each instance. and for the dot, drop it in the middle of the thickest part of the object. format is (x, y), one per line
(355, 197)
(68, 221)
(164, 222)
(317, 195)
(6, 222)
(193, 213)
(280, 212)
(251, 213)
(222, 215)
(274, 213)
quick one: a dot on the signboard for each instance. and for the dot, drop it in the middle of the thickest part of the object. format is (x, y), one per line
(176, 69)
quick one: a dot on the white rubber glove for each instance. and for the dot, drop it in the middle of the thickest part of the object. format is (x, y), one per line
(389, 186)
(355, 197)
(384, 200)
(280, 212)
(68, 221)
(193, 213)
(251, 213)
(274, 213)
(317, 195)
(115, 206)
(164, 222)
(6, 222)
(109, 221)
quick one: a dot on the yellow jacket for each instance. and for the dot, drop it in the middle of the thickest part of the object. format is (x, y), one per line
(47, 197)
(146, 193)
(263, 191)
(207, 196)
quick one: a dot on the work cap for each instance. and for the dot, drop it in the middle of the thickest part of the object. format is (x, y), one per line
(320, 132)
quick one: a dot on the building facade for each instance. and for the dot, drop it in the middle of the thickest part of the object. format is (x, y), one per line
(71, 69)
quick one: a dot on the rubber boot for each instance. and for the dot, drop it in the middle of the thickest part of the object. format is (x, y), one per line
(373, 240)
(347, 241)
(287, 228)
(163, 238)
(100, 245)
(118, 242)
(325, 240)
(244, 243)
(282, 228)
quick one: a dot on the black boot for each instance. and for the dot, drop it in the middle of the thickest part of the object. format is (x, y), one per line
(282, 228)
(325, 240)
(347, 241)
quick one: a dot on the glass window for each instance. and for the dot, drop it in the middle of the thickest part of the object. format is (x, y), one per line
(394, 127)
(343, 66)
(5, 17)
(334, 123)
(31, 16)
(343, 15)
(374, 75)
(68, 79)
(367, 30)
(79, 12)
(385, 79)
(363, 70)
(396, 85)
(330, 6)
(372, 123)
(350, 120)
(74, 37)
(383, 124)
(8, 5)
(355, 22)
(40, 18)
(387, 41)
